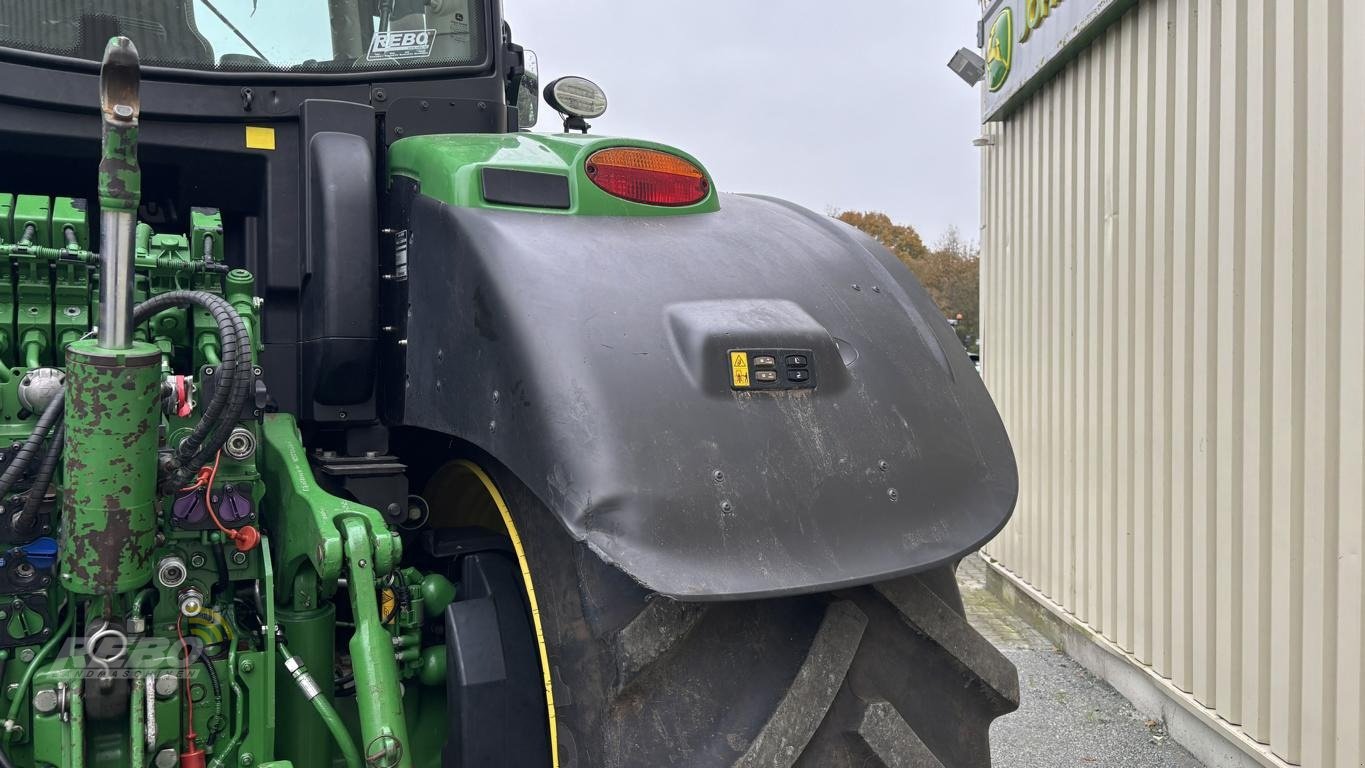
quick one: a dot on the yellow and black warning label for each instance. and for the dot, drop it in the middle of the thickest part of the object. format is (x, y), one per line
(739, 369)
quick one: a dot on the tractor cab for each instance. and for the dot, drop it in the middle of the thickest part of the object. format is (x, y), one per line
(343, 421)
(255, 36)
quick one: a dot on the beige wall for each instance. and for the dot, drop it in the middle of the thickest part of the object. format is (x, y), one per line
(1173, 307)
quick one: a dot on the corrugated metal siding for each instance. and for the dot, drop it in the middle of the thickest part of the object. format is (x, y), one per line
(1174, 328)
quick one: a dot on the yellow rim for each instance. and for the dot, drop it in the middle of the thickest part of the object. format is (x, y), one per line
(496, 495)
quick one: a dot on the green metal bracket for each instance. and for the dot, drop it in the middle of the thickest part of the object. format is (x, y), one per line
(318, 532)
(71, 295)
(304, 517)
(33, 288)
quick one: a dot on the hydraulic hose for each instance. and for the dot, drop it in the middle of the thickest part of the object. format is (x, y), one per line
(21, 692)
(46, 468)
(239, 718)
(229, 397)
(51, 414)
(324, 707)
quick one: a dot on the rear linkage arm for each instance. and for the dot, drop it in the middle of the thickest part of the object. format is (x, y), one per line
(315, 533)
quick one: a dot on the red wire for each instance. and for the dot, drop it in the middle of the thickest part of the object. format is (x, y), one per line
(189, 696)
(208, 499)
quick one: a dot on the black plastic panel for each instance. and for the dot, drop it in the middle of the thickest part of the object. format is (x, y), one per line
(339, 315)
(495, 691)
(590, 355)
(525, 188)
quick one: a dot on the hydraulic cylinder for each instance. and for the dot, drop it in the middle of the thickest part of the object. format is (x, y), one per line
(109, 465)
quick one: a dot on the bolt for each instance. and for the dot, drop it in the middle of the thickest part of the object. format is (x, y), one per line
(726, 506)
(857, 287)
(247, 758)
(361, 563)
(257, 302)
(26, 655)
(208, 371)
(496, 397)
(45, 701)
(882, 465)
(341, 415)
(876, 289)
(11, 691)
(197, 560)
(247, 666)
(892, 494)
(239, 558)
(493, 426)
(167, 758)
(425, 106)
(166, 685)
(719, 476)
(379, 94)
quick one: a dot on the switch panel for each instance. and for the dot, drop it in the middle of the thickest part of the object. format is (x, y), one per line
(771, 369)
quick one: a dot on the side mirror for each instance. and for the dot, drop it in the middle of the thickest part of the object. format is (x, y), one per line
(528, 96)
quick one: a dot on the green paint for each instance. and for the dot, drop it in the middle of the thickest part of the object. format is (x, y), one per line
(109, 462)
(383, 726)
(32, 284)
(120, 177)
(71, 289)
(437, 593)
(1000, 50)
(319, 535)
(312, 636)
(6, 217)
(449, 168)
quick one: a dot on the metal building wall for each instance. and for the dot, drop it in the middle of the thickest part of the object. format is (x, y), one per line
(1173, 305)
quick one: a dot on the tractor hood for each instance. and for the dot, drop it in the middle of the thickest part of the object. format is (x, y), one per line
(598, 358)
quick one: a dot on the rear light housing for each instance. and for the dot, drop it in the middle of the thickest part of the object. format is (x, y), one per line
(647, 176)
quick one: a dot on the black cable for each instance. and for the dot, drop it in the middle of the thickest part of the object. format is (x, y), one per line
(234, 383)
(46, 468)
(25, 454)
(217, 699)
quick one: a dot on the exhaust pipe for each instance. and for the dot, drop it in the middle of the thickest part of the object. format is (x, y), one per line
(112, 382)
(120, 190)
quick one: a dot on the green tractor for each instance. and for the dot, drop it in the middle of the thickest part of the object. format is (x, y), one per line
(344, 421)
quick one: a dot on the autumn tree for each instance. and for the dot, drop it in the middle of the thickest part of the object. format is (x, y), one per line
(950, 271)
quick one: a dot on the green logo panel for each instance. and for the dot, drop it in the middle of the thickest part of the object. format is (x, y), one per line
(1000, 50)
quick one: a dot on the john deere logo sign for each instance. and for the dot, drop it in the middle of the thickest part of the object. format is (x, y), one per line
(1000, 50)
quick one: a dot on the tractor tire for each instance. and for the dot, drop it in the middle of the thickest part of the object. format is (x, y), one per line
(889, 674)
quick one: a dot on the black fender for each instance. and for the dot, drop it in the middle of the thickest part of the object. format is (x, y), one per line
(589, 355)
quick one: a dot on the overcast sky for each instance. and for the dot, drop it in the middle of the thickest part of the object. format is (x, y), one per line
(835, 105)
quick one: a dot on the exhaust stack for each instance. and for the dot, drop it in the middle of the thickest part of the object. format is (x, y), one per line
(120, 190)
(113, 383)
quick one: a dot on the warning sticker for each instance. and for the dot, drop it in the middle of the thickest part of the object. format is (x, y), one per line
(402, 44)
(739, 369)
(400, 255)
